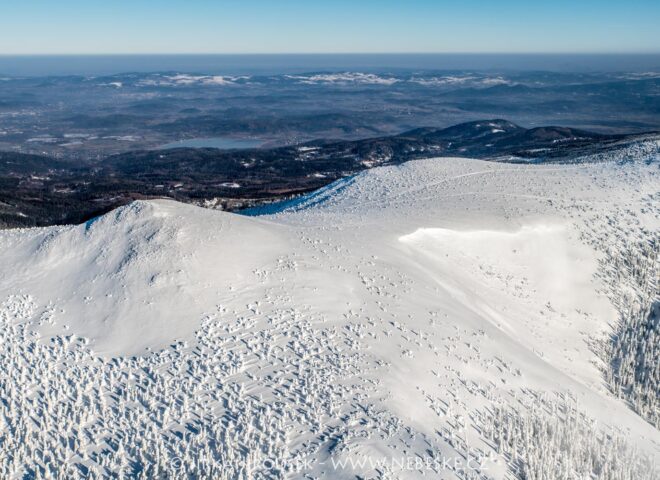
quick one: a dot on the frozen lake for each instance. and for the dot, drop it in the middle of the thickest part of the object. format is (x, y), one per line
(215, 142)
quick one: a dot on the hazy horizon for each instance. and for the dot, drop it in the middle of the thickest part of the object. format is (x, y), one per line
(281, 63)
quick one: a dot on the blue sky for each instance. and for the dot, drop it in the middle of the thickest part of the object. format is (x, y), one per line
(313, 26)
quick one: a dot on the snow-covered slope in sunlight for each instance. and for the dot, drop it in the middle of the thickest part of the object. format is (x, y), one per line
(140, 276)
(446, 318)
(534, 283)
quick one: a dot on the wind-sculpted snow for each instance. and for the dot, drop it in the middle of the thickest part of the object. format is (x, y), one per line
(419, 320)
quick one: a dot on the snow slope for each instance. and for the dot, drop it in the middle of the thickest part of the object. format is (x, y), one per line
(391, 317)
(130, 279)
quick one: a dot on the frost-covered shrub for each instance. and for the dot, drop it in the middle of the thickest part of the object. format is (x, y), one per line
(553, 440)
(633, 355)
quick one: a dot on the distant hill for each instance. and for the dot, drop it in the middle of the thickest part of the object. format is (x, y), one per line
(38, 190)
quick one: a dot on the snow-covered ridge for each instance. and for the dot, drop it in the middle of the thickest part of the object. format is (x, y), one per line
(344, 78)
(436, 310)
(188, 79)
(144, 260)
(182, 79)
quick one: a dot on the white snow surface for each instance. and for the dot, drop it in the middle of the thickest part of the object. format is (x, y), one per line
(345, 78)
(374, 318)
